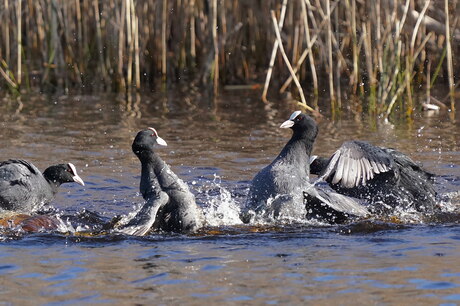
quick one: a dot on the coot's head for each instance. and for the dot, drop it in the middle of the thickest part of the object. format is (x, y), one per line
(147, 140)
(63, 173)
(302, 125)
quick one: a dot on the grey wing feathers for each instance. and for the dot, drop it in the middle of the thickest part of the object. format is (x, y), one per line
(145, 218)
(339, 202)
(355, 163)
(17, 170)
(23, 165)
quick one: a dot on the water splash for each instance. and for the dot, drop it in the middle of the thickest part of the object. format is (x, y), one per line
(219, 207)
(281, 210)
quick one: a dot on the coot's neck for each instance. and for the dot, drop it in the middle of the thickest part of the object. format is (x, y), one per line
(298, 147)
(152, 165)
(52, 177)
(150, 160)
(54, 185)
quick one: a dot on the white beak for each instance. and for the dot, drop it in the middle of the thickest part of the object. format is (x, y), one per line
(78, 180)
(160, 141)
(287, 124)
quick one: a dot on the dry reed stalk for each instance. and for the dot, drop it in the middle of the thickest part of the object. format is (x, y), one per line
(393, 80)
(378, 37)
(136, 52)
(449, 59)
(307, 50)
(164, 21)
(403, 19)
(63, 38)
(121, 44)
(385, 57)
(79, 32)
(6, 75)
(19, 43)
(40, 28)
(86, 31)
(408, 78)
(288, 64)
(396, 39)
(329, 55)
(310, 10)
(295, 45)
(428, 80)
(410, 60)
(422, 45)
(101, 63)
(53, 45)
(192, 31)
(223, 19)
(274, 51)
(309, 46)
(417, 25)
(216, 47)
(7, 32)
(335, 43)
(369, 64)
(28, 27)
(351, 11)
(108, 13)
(129, 32)
(132, 11)
(393, 100)
(339, 63)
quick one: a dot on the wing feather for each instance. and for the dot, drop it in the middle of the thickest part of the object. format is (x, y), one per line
(355, 163)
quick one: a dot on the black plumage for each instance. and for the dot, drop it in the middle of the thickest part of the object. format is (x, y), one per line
(24, 188)
(286, 179)
(385, 178)
(170, 206)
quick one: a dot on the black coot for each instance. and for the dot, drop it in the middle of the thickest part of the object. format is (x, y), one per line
(24, 188)
(170, 206)
(285, 180)
(383, 177)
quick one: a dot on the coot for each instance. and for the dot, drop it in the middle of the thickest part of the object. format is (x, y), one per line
(285, 182)
(170, 206)
(24, 188)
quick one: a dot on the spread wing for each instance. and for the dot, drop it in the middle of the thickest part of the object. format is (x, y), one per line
(331, 206)
(355, 163)
(146, 217)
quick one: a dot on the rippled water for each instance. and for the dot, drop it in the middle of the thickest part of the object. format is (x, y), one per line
(217, 146)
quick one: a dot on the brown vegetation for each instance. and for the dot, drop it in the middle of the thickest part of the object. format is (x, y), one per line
(382, 50)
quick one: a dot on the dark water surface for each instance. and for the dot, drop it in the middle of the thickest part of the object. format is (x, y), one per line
(217, 147)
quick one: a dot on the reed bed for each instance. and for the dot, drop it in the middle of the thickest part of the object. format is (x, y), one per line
(383, 51)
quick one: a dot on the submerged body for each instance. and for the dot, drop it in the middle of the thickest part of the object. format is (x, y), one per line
(385, 178)
(24, 188)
